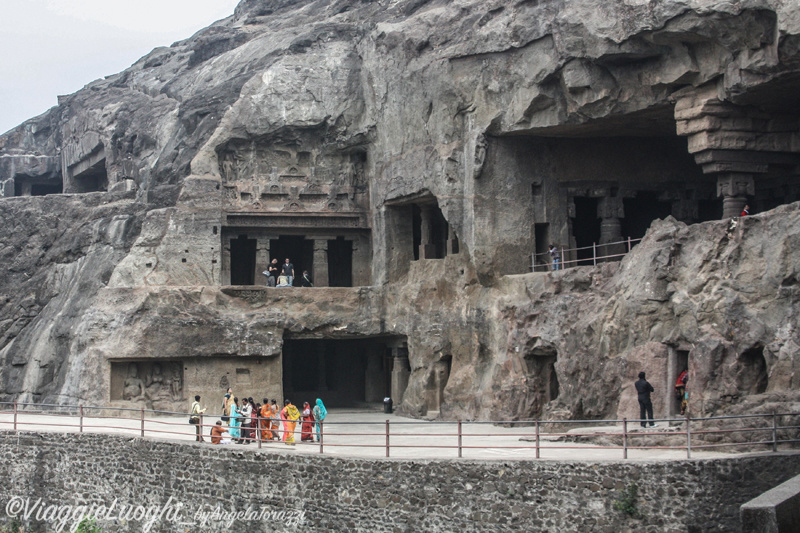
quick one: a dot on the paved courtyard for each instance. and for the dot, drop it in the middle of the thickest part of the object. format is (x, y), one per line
(362, 433)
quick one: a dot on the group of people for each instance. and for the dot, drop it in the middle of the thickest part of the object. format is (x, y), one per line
(283, 275)
(244, 421)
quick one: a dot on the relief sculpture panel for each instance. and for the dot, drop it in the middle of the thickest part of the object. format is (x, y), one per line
(308, 176)
(155, 384)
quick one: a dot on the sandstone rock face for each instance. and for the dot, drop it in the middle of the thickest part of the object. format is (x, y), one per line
(414, 155)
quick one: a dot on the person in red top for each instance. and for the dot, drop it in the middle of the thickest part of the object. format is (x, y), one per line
(745, 211)
(680, 390)
(308, 423)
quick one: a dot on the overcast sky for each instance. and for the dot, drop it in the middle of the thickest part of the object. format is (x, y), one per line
(53, 47)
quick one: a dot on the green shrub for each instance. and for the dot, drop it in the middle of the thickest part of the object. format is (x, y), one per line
(627, 502)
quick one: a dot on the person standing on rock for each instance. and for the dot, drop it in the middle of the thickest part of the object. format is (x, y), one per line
(643, 388)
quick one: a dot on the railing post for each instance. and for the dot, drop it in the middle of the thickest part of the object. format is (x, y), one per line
(629, 245)
(774, 433)
(594, 253)
(142, 420)
(387, 438)
(15, 416)
(537, 438)
(624, 438)
(201, 427)
(259, 422)
(459, 438)
(321, 436)
(81, 423)
(688, 437)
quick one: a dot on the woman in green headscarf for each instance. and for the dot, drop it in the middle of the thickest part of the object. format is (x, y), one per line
(319, 415)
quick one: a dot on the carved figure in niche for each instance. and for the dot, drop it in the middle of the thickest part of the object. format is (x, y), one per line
(176, 387)
(133, 388)
(228, 167)
(155, 386)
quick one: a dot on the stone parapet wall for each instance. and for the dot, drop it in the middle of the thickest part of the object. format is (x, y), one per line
(349, 494)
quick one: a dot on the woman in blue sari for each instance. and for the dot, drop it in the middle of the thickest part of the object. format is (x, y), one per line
(319, 415)
(235, 421)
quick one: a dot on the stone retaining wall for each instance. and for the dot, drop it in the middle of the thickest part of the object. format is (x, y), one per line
(348, 494)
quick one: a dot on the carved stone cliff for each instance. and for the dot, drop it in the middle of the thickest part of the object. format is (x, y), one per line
(417, 158)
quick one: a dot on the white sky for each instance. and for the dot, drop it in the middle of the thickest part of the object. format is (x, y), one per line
(53, 47)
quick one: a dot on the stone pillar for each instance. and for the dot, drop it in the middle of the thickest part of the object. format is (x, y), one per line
(322, 382)
(401, 371)
(427, 250)
(373, 377)
(262, 259)
(320, 270)
(610, 211)
(734, 188)
(452, 241)
(362, 267)
(226, 260)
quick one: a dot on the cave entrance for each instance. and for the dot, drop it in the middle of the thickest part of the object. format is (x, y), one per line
(541, 259)
(543, 386)
(342, 372)
(24, 186)
(243, 260)
(641, 211)
(429, 231)
(340, 262)
(298, 249)
(752, 376)
(585, 228)
(679, 364)
(93, 179)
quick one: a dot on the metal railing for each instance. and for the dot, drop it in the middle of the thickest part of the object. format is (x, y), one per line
(545, 263)
(755, 432)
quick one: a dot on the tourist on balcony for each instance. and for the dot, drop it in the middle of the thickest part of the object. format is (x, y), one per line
(272, 273)
(308, 423)
(287, 269)
(305, 281)
(289, 415)
(283, 281)
(553, 251)
(745, 211)
(319, 415)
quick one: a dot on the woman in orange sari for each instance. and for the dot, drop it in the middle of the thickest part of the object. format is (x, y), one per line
(265, 423)
(290, 415)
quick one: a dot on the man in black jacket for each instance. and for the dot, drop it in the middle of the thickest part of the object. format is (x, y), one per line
(644, 389)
